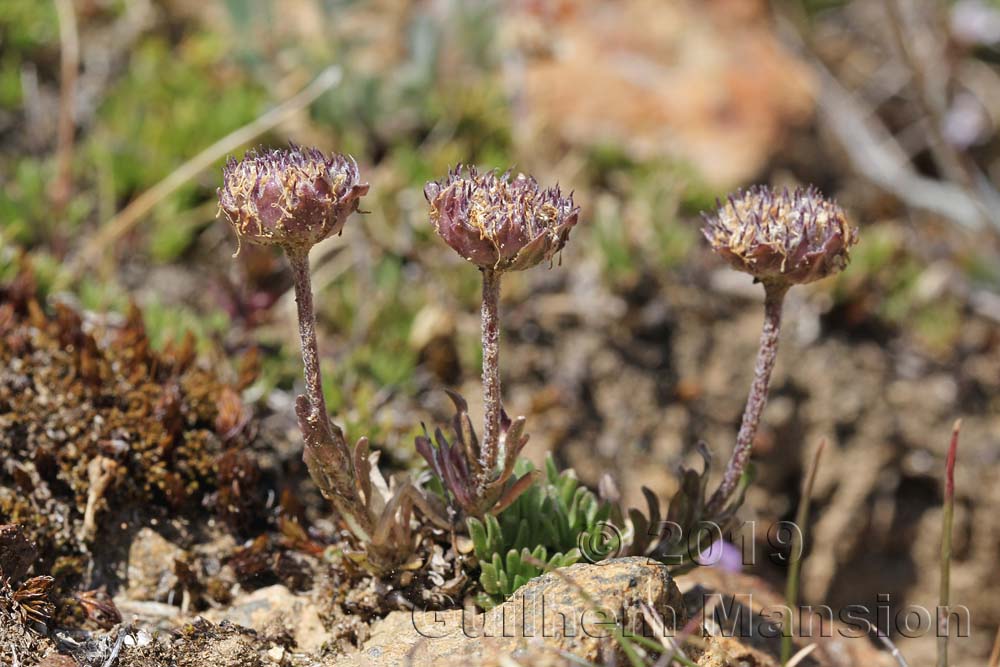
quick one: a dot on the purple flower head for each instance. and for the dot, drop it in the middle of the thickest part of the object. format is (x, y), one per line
(781, 237)
(498, 222)
(294, 198)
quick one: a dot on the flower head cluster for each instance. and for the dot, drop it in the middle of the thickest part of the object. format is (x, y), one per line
(781, 236)
(294, 198)
(498, 222)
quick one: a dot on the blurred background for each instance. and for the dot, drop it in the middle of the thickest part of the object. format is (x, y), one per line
(637, 343)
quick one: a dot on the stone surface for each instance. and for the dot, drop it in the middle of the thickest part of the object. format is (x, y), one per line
(151, 567)
(707, 83)
(269, 609)
(755, 643)
(571, 625)
(548, 615)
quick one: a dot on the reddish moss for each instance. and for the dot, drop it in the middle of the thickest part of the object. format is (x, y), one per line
(94, 423)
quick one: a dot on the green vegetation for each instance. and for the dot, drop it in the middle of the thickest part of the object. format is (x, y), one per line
(556, 515)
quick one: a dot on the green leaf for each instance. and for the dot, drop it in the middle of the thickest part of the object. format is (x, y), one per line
(488, 579)
(477, 531)
(513, 561)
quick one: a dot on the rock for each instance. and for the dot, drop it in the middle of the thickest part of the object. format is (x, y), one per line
(708, 83)
(757, 643)
(199, 644)
(57, 660)
(151, 567)
(274, 607)
(539, 635)
(548, 615)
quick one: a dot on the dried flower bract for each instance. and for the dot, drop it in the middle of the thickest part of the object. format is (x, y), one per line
(294, 198)
(780, 236)
(499, 222)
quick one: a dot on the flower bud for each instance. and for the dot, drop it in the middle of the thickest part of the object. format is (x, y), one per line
(294, 198)
(497, 222)
(781, 237)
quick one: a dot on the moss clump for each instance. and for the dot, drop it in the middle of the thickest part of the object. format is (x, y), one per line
(95, 425)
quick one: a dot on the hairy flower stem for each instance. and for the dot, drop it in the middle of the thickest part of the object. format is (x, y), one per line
(299, 261)
(325, 454)
(491, 375)
(767, 352)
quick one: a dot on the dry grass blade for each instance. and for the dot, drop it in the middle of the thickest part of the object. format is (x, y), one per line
(69, 53)
(947, 519)
(801, 655)
(896, 654)
(995, 653)
(128, 217)
(798, 548)
(930, 82)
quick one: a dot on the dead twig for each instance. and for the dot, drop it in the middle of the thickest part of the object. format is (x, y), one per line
(128, 217)
(876, 155)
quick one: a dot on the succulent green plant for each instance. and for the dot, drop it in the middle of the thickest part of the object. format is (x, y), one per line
(556, 515)
(502, 576)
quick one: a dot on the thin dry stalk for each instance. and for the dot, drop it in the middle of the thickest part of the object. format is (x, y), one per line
(995, 653)
(131, 215)
(930, 96)
(894, 651)
(801, 655)
(872, 149)
(798, 548)
(947, 520)
(69, 54)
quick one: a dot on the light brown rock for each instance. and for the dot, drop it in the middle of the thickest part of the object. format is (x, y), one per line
(757, 644)
(151, 566)
(268, 609)
(548, 615)
(707, 83)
